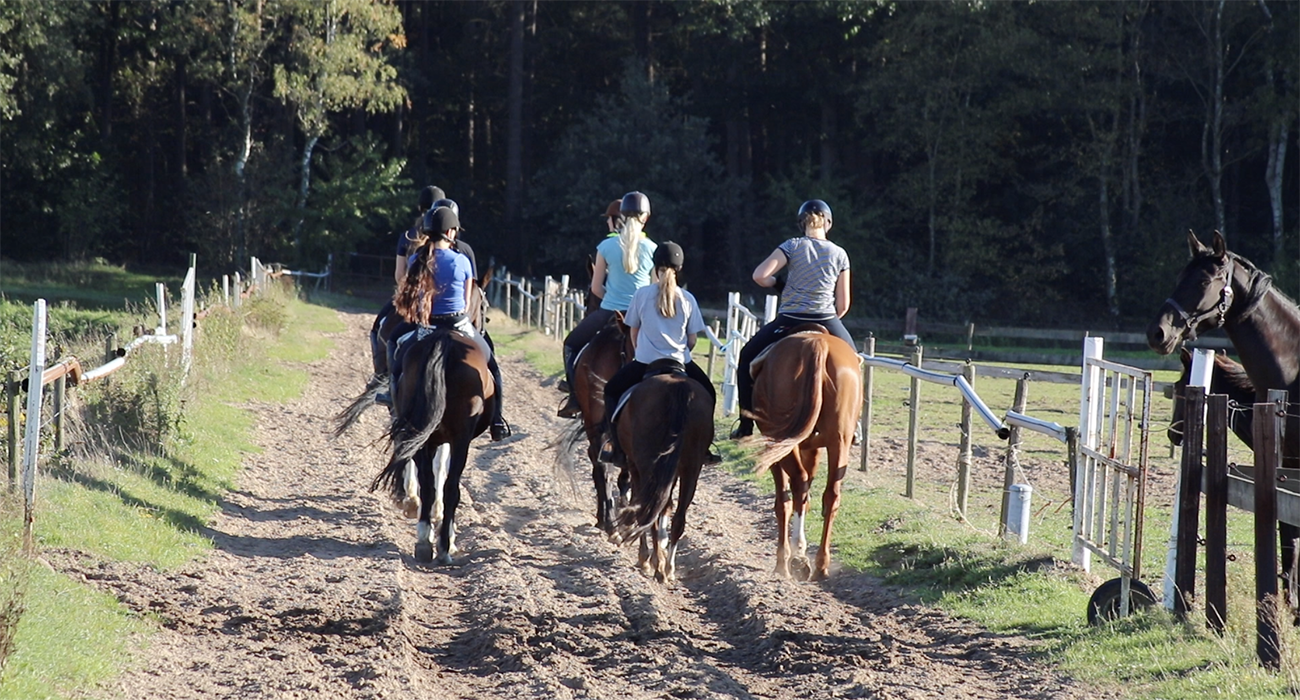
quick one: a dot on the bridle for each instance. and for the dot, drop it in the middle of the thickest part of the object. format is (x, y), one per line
(1219, 312)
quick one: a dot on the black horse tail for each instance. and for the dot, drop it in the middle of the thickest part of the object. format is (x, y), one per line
(565, 468)
(416, 417)
(352, 413)
(656, 487)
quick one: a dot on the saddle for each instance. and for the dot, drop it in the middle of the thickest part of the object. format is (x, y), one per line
(810, 328)
(665, 366)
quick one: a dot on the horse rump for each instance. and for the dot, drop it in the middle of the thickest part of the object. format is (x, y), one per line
(788, 396)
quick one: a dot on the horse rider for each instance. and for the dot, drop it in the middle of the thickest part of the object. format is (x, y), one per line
(665, 322)
(614, 221)
(622, 266)
(816, 290)
(428, 196)
(437, 292)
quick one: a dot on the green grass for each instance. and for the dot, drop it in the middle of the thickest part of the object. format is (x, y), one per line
(152, 507)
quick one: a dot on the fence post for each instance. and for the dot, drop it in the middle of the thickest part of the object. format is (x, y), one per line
(1202, 369)
(913, 419)
(1216, 513)
(970, 335)
(507, 292)
(964, 449)
(60, 393)
(769, 308)
(13, 389)
(1090, 395)
(238, 291)
(110, 348)
(868, 388)
(1012, 459)
(1189, 500)
(161, 290)
(713, 350)
(1268, 454)
(32, 437)
(225, 290)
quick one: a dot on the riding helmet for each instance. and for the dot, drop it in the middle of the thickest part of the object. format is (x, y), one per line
(439, 220)
(816, 206)
(669, 254)
(429, 195)
(613, 210)
(444, 202)
(634, 203)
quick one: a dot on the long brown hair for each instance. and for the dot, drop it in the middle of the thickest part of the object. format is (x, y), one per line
(414, 299)
(666, 299)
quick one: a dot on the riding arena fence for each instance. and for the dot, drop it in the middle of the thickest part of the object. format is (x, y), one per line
(38, 378)
(1106, 453)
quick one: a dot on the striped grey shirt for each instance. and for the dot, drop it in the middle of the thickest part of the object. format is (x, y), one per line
(815, 265)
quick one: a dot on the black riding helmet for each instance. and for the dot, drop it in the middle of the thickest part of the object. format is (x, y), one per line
(429, 195)
(634, 203)
(816, 206)
(444, 202)
(440, 220)
(669, 254)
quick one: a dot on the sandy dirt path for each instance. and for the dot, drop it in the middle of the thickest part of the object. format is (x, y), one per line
(312, 591)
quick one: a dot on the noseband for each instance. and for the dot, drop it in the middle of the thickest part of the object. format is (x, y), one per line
(1218, 312)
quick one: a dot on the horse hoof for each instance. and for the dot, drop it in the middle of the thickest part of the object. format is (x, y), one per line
(424, 552)
(411, 508)
(444, 559)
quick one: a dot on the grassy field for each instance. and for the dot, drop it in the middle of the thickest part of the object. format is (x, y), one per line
(924, 548)
(147, 503)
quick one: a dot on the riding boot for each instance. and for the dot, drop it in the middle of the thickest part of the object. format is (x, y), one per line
(570, 409)
(611, 451)
(500, 429)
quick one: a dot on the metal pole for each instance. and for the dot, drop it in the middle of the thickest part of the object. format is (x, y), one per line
(868, 388)
(913, 420)
(713, 350)
(32, 436)
(1013, 450)
(964, 450)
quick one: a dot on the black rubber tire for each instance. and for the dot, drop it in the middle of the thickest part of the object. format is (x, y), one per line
(1104, 606)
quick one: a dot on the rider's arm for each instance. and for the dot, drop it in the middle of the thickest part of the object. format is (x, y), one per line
(469, 285)
(690, 340)
(765, 273)
(598, 276)
(399, 270)
(635, 332)
(842, 290)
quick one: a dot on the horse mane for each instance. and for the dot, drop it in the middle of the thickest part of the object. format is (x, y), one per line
(1234, 374)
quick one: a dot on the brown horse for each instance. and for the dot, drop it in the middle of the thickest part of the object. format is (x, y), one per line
(665, 426)
(608, 351)
(807, 397)
(443, 400)
(1228, 378)
(1220, 289)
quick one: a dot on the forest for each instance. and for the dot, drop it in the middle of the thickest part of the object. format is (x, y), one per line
(1012, 162)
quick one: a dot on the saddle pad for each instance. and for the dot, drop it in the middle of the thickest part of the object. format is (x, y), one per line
(758, 361)
(463, 325)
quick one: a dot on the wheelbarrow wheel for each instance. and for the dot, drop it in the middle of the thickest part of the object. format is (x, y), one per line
(1104, 605)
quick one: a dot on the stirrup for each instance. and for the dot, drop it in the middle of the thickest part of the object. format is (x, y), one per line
(712, 457)
(562, 386)
(384, 398)
(500, 431)
(742, 431)
(570, 409)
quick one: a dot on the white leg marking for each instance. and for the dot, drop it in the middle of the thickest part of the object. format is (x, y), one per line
(411, 505)
(798, 536)
(423, 532)
(441, 464)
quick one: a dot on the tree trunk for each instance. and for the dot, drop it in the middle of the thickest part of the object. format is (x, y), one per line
(241, 162)
(515, 126)
(642, 36)
(1273, 177)
(829, 140)
(304, 186)
(108, 69)
(1212, 131)
(182, 146)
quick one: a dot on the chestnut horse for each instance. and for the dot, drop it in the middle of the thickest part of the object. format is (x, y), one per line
(443, 400)
(665, 427)
(1228, 378)
(608, 351)
(1220, 289)
(807, 397)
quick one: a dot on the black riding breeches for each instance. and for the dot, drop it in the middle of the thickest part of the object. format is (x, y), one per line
(587, 329)
(763, 338)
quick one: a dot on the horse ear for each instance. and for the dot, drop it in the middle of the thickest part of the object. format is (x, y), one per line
(1195, 246)
(1220, 246)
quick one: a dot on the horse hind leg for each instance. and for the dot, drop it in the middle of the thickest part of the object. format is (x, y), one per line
(662, 568)
(781, 508)
(410, 505)
(441, 466)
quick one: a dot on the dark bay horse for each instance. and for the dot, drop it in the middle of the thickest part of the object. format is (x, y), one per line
(608, 351)
(665, 426)
(807, 397)
(1220, 289)
(1229, 379)
(443, 400)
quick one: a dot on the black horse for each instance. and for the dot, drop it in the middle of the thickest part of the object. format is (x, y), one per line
(1220, 289)
(442, 401)
(1229, 379)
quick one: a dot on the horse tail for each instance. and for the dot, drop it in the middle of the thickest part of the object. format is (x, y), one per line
(802, 421)
(417, 417)
(564, 445)
(352, 413)
(656, 487)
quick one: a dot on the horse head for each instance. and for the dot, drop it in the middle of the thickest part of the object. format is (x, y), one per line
(1201, 298)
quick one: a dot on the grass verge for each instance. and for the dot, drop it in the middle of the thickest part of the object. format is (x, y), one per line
(150, 504)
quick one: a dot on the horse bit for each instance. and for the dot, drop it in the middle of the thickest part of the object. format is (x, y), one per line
(1219, 311)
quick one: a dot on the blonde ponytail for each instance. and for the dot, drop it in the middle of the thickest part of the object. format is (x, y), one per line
(666, 300)
(629, 239)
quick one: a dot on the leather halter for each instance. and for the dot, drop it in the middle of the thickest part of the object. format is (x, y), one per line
(1219, 311)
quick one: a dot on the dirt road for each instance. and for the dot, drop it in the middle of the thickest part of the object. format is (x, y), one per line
(312, 591)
